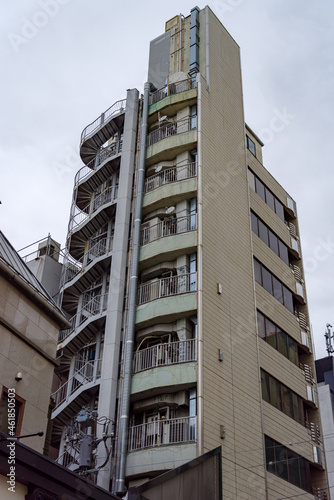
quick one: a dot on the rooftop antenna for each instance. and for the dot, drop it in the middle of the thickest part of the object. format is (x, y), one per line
(329, 340)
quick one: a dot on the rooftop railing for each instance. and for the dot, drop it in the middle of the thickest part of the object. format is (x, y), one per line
(93, 307)
(168, 228)
(174, 174)
(165, 354)
(116, 108)
(162, 432)
(172, 88)
(166, 287)
(169, 129)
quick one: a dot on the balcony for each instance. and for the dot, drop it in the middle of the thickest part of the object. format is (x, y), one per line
(73, 268)
(168, 228)
(167, 287)
(93, 308)
(162, 432)
(172, 89)
(165, 354)
(170, 175)
(84, 373)
(171, 129)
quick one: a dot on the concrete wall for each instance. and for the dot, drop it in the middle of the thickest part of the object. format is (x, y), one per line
(28, 339)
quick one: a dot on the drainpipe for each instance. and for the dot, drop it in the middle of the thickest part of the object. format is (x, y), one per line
(130, 335)
(200, 271)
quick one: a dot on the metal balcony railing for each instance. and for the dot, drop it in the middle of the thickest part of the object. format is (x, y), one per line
(162, 432)
(93, 307)
(166, 287)
(165, 354)
(102, 155)
(73, 267)
(314, 431)
(302, 321)
(97, 124)
(172, 88)
(84, 373)
(168, 228)
(174, 174)
(69, 457)
(292, 229)
(320, 494)
(170, 129)
(308, 373)
(297, 273)
(107, 196)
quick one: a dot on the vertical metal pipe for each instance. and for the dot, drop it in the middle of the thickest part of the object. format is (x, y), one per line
(130, 334)
(200, 403)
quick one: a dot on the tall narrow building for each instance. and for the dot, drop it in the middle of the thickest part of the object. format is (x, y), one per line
(184, 285)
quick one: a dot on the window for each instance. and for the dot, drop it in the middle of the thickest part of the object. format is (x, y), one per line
(273, 285)
(282, 398)
(250, 145)
(287, 464)
(277, 338)
(269, 238)
(266, 195)
(5, 407)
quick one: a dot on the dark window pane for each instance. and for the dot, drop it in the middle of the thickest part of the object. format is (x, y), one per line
(273, 242)
(263, 232)
(282, 343)
(275, 393)
(250, 145)
(254, 224)
(292, 350)
(287, 401)
(281, 461)
(295, 407)
(270, 199)
(301, 410)
(266, 280)
(265, 386)
(257, 271)
(279, 209)
(278, 290)
(293, 468)
(270, 454)
(260, 188)
(283, 251)
(271, 333)
(304, 472)
(288, 300)
(261, 328)
(251, 179)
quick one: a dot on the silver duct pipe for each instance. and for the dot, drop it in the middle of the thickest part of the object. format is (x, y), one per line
(130, 334)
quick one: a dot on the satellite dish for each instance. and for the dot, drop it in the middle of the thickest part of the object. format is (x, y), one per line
(163, 118)
(170, 210)
(158, 168)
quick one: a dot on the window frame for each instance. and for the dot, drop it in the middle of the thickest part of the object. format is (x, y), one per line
(18, 412)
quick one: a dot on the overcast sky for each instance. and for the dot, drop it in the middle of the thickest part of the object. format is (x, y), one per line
(65, 61)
